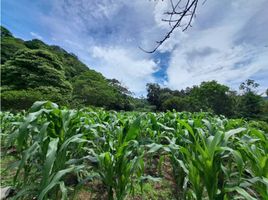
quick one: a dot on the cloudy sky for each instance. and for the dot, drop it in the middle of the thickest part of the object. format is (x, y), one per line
(228, 41)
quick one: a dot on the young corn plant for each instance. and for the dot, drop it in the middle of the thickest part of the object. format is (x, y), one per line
(254, 148)
(203, 152)
(9, 122)
(46, 143)
(211, 157)
(121, 166)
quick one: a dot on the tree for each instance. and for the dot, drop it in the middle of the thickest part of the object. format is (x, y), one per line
(153, 94)
(91, 88)
(251, 105)
(70, 63)
(5, 32)
(32, 69)
(214, 96)
(9, 45)
(180, 11)
(177, 103)
(32, 75)
(209, 96)
(115, 83)
(250, 102)
(249, 86)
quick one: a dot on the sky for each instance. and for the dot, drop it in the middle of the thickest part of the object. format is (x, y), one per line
(228, 40)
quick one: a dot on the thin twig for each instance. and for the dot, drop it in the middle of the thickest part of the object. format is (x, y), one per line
(189, 9)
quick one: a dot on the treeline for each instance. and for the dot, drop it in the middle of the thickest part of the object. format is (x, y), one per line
(32, 70)
(212, 97)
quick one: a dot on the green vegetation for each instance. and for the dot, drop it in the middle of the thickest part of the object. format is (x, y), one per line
(30, 66)
(82, 151)
(33, 70)
(57, 151)
(212, 97)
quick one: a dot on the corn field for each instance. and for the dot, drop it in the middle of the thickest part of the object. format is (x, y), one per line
(57, 151)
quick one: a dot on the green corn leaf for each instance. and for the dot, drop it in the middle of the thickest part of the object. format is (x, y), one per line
(74, 139)
(238, 158)
(26, 191)
(39, 104)
(50, 159)
(153, 148)
(232, 132)
(26, 155)
(245, 194)
(133, 130)
(55, 180)
(64, 195)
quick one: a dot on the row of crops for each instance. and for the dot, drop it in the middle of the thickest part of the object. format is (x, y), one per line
(208, 157)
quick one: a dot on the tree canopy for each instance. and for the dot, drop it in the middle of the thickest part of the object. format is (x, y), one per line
(32, 70)
(212, 97)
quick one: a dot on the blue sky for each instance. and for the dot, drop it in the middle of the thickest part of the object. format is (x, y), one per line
(228, 41)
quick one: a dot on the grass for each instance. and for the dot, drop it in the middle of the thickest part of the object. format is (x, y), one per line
(6, 175)
(151, 191)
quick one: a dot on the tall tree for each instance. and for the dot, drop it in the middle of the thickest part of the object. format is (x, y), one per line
(215, 97)
(153, 94)
(249, 86)
(251, 102)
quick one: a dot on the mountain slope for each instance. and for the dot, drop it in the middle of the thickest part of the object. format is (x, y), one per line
(32, 70)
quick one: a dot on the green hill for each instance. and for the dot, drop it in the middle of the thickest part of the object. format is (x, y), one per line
(32, 70)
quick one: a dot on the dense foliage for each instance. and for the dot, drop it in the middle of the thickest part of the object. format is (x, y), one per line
(212, 97)
(33, 70)
(205, 156)
(33, 75)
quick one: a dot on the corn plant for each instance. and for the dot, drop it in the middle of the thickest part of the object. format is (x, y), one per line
(211, 157)
(46, 143)
(9, 122)
(121, 165)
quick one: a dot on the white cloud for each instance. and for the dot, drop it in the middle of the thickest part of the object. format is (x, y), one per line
(36, 35)
(230, 67)
(106, 36)
(222, 44)
(120, 63)
(228, 61)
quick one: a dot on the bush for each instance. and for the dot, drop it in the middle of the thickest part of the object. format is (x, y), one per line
(23, 99)
(176, 103)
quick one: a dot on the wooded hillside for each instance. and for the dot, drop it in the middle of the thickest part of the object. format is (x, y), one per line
(32, 70)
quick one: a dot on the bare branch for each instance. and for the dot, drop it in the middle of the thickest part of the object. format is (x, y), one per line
(181, 10)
